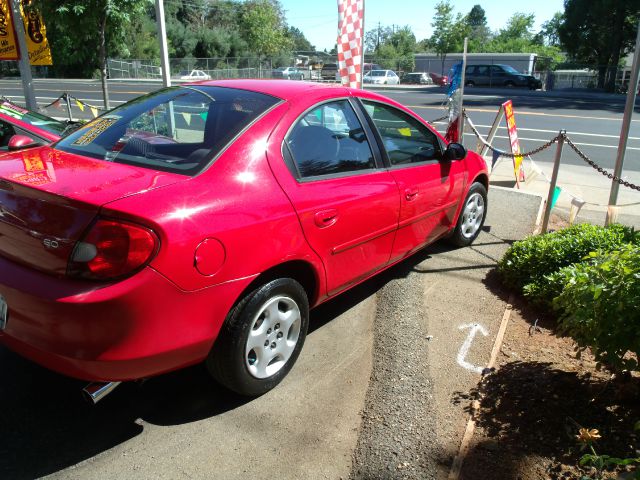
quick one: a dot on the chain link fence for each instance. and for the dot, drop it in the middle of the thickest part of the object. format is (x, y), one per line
(574, 77)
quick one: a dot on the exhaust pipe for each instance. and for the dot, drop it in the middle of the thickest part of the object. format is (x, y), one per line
(94, 392)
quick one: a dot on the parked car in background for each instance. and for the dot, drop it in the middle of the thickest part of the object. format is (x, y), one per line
(367, 67)
(288, 73)
(417, 78)
(201, 223)
(18, 121)
(381, 77)
(194, 75)
(330, 72)
(438, 79)
(499, 76)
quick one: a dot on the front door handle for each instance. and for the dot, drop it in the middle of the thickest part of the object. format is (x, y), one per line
(326, 218)
(410, 194)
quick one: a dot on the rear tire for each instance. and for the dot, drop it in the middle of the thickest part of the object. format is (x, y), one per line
(472, 216)
(261, 338)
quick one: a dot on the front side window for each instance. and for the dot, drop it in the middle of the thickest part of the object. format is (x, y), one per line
(178, 129)
(329, 140)
(405, 139)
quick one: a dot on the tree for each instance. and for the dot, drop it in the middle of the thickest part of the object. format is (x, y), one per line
(396, 49)
(263, 26)
(549, 34)
(447, 34)
(85, 32)
(519, 27)
(298, 41)
(479, 33)
(599, 33)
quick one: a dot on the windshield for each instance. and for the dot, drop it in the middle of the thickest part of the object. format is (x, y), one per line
(49, 124)
(510, 69)
(377, 73)
(177, 129)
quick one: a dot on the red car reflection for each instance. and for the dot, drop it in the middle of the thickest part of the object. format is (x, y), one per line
(202, 222)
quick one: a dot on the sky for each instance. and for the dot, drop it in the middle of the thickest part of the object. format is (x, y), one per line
(318, 19)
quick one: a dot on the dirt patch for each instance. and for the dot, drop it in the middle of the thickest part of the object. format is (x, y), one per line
(541, 394)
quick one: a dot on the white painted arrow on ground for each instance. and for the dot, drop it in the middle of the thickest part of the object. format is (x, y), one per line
(464, 349)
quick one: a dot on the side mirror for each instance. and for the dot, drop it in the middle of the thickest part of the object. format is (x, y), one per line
(18, 142)
(455, 151)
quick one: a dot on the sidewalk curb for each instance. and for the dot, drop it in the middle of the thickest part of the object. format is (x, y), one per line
(458, 461)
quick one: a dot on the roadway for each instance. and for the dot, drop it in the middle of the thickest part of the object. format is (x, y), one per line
(592, 121)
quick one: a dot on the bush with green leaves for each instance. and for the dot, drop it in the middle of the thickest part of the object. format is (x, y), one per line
(528, 261)
(600, 306)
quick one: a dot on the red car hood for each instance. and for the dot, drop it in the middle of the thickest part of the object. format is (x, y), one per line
(48, 198)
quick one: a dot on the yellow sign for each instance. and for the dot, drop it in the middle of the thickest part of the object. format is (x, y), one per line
(36, 34)
(37, 44)
(513, 140)
(8, 44)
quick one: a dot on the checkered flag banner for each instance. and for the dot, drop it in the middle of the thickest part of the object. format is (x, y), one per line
(350, 25)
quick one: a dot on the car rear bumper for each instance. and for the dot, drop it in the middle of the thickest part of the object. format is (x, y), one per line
(136, 328)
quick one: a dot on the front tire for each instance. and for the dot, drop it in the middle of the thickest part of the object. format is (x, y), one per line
(472, 216)
(261, 338)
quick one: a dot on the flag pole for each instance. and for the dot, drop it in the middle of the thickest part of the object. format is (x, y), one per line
(462, 75)
(362, 50)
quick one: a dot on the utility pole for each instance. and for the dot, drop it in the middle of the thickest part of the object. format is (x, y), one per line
(624, 130)
(24, 64)
(162, 38)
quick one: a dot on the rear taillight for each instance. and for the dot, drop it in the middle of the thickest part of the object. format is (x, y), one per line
(112, 249)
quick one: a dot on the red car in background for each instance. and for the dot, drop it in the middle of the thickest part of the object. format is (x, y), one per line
(16, 120)
(202, 222)
(438, 79)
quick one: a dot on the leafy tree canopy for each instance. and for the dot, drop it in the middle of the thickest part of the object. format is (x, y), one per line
(598, 33)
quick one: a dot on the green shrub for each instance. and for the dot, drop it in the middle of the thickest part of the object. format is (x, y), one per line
(600, 306)
(542, 292)
(528, 261)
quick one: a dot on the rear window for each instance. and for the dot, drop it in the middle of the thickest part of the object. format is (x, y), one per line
(177, 129)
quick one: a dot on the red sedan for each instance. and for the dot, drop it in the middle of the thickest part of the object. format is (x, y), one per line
(18, 121)
(202, 222)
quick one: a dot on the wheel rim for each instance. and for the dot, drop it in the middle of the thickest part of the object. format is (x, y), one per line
(472, 215)
(273, 337)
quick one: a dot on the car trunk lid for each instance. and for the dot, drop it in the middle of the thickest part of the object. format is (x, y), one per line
(48, 199)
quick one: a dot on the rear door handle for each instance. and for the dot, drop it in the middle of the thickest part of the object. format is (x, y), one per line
(411, 194)
(326, 218)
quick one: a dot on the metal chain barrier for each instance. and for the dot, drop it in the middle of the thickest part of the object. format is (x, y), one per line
(56, 100)
(438, 119)
(507, 154)
(609, 175)
(597, 167)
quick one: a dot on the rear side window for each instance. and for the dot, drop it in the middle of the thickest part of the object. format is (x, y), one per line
(329, 140)
(176, 129)
(405, 139)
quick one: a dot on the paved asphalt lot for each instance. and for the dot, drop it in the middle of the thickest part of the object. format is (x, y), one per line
(372, 395)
